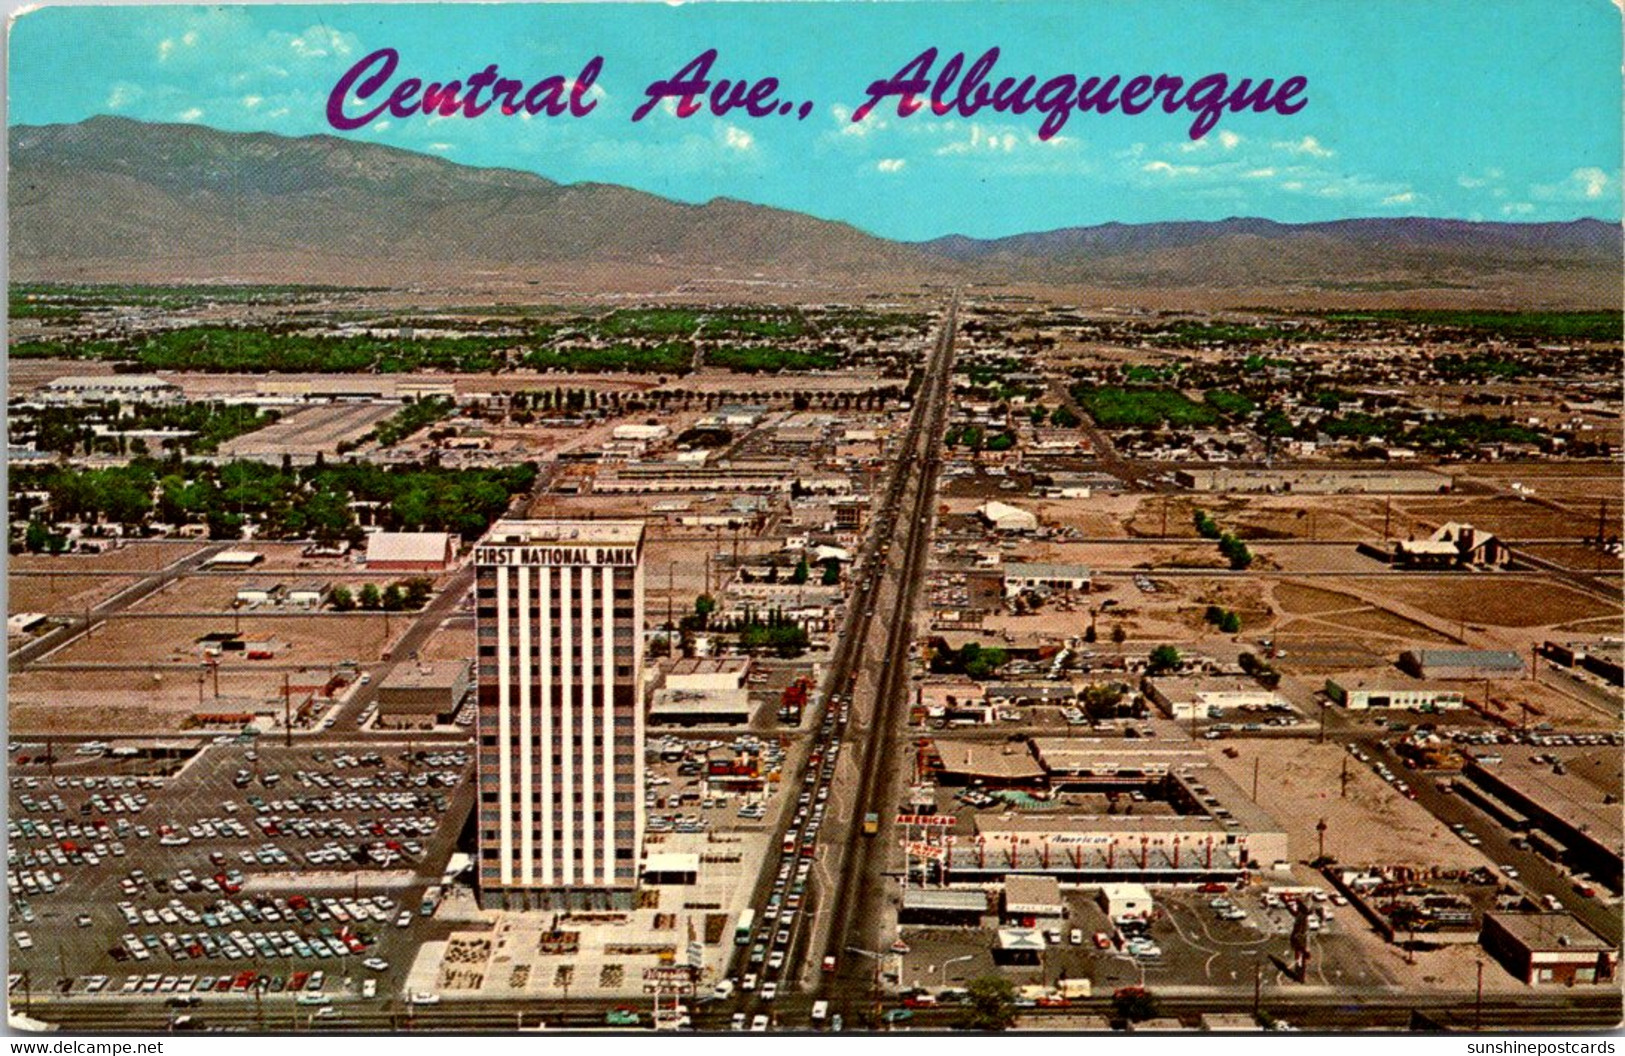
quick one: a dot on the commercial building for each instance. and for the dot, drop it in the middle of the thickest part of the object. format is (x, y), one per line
(1029, 899)
(1207, 698)
(1151, 813)
(411, 551)
(1549, 949)
(561, 725)
(1315, 481)
(102, 388)
(1603, 657)
(943, 907)
(422, 695)
(1126, 900)
(1019, 577)
(233, 560)
(1361, 694)
(1573, 796)
(1462, 664)
(1003, 517)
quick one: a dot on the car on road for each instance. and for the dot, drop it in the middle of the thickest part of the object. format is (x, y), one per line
(770, 991)
(1077, 936)
(377, 964)
(758, 1025)
(738, 1022)
(421, 998)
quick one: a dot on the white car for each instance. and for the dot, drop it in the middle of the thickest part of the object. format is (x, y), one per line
(759, 1024)
(424, 999)
(770, 991)
(738, 1022)
(377, 964)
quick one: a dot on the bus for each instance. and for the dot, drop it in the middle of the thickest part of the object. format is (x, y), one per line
(431, 901)
(747, 924)
(871, 823)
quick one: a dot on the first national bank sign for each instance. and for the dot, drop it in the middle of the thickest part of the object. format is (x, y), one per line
(557, 556)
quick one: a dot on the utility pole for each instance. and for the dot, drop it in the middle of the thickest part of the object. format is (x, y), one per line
(287, 719)
(1320, 831)
(1478, 1004)
(1256, 760)
(1343, 781)
(1387, 516)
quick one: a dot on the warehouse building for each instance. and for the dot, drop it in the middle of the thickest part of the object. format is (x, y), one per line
(1045, 577)
(943, 907)
(1462, 664)
(1362, 694)
(1549, 949)
(1207, 698)
(420, 696)
(411, 551)
(1003, 517)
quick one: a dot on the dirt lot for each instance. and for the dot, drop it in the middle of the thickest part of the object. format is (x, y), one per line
(115, 702)
(1508, 517)
(61, 594)
(1372, 824)
(217, 591)
(454, 640)
(146, 556)
(1484, 600)
(313, 640)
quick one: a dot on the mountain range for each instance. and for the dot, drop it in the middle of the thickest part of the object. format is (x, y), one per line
(113, 199)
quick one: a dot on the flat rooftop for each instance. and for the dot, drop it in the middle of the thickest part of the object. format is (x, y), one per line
(429, 674)
(1578, 794)
(1550, 931)
(624, 533)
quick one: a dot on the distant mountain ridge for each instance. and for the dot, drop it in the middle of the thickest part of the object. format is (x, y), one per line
(114, 199)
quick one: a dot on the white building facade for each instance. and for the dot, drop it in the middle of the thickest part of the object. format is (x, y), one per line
(559, 608)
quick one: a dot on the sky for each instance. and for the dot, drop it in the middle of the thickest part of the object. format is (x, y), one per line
(1508, 110)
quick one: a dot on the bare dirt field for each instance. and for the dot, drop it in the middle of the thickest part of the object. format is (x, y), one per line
(115, 702)
(1510, 518)
(145, 556)
(1485, 600)
(1373, 823)
(453, 640)
(313, 640)
(62, 594)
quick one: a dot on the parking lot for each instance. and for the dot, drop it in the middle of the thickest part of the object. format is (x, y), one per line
(251, 867)
(1194, 939)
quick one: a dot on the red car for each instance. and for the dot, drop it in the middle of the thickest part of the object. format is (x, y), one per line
(1213, 888)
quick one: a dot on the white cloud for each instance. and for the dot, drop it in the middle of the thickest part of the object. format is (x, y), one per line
(1307, 145)
(1229, 140)
(891, 164)
(189, 38)
(251, 101)
(1592, 181)
(280, 111)
(1588, 183)
(982, 141)
(379, 126)
(440, 147)
(165, 48)
(1170, 170)
(318, 42)
(122, 95)
(738, 139)
(193, 114)
(1259, 174)
(1517, 209)
(1402, 198)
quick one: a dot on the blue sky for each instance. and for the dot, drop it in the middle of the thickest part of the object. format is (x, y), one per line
(1502, 111)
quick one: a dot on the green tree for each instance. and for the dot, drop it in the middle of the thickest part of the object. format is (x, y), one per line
(704, 606)
(800, 575)
(341, 599)
(1164, 658)
(991, 1005)
(370, 598)
(832, 573)
(394, 598)
(1230, 623)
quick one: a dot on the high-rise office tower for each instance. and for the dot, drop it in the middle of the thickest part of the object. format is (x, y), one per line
(560, 655)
